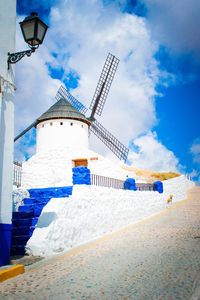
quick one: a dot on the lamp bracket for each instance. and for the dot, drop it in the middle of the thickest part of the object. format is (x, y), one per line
(13, 58)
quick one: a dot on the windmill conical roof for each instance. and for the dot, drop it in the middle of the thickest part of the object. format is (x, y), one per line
(62, 109)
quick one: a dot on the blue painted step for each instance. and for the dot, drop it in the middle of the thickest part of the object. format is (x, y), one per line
(32, 201)
(23, 230)
(26, 218)
(23, 226)
(54, 192)
(36, 208)
(20, 240)
(24, 222)
(25, 208)
(22, 215)
(17, 250)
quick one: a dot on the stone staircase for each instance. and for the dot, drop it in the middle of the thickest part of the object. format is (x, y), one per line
(25, 219)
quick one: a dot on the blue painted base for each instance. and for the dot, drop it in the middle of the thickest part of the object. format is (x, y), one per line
(25, 219)
(18, 250)
(81, 175)
(25, 222)
(53, 192)
(5, 242)
(158, 186)
(129, 184)
(23, 230)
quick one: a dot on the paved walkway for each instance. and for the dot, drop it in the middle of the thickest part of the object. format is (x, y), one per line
(157, 259)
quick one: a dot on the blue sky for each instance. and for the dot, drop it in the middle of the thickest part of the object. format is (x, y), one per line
(157, 85)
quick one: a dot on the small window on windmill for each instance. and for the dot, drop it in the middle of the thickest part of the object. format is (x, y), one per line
(42, 125)
(61, 123)
(80, 162)
(51, 123)
(71, 124)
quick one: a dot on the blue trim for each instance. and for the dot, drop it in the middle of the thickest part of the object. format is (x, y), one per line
(158, 186)
(25, 219)
(81, 175)
(5, 242)
(51, 192)
(129, 184)
(5, 226)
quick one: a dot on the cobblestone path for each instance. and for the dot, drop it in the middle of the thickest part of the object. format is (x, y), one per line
(158, 259)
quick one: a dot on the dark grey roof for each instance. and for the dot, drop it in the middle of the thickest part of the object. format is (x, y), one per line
(62, 109)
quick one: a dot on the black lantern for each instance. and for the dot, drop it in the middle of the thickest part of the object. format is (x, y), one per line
(34, 31)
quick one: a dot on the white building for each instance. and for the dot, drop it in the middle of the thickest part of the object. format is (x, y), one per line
(7, 88)
(61, 126)
(61, 144)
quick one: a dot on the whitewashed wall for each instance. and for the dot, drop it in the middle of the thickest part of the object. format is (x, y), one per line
(7, 44)
(54, 167)
(53, 134)
(93, 212)
(177, 187)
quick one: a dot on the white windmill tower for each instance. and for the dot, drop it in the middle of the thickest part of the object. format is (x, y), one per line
(60, 126)
(65, 126)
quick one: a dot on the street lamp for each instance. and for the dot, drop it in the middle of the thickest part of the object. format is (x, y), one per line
(33, 30)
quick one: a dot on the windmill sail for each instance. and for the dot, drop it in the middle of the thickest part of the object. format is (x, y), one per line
(25, 131)
(96, 106)
(103, 85)
(109, 140)
(61, 109)
(63, 93)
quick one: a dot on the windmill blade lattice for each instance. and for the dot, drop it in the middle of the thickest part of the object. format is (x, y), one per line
(103, 85)
(63, 93)
(109, 140)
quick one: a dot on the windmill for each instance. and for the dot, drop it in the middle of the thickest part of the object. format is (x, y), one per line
(96, 107)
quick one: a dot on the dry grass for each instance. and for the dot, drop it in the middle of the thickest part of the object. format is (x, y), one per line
(150, 176)
(165, 175)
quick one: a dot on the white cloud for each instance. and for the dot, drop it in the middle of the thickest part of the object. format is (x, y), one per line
(79, 38)
(148, 153)
(176, 24)
(25, 147)
(35, 91)
(35, 87)
(84, 36)
(195, 150)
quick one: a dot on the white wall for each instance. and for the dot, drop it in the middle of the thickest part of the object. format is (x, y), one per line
(177, 187)
(7, 44)
(72, 133)
(53, 168)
